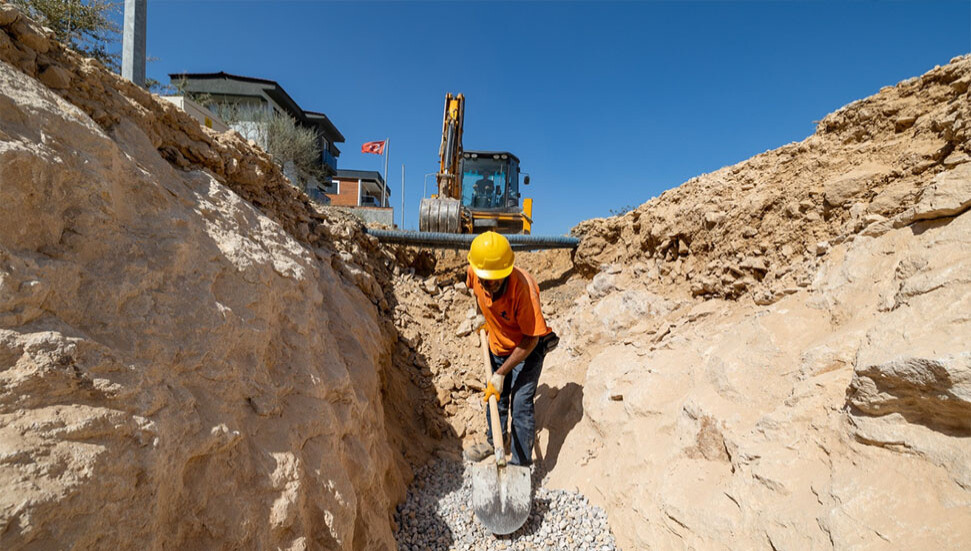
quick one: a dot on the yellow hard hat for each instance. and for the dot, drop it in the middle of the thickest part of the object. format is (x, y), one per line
(491, 256)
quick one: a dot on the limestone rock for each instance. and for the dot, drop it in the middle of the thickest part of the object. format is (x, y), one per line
(464, 329)
(754, 264)
(932, 392)
(712, 219)
(956, 158)
(948, 195)
(602, 284)
(430, 285)
(55, 77)
(30, 35)
(840, 191)
(854, 340)
(180, 366)
(903, 123)
(8, 14)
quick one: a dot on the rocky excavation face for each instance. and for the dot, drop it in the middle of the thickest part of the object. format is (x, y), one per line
(191, 356)
(759, 228)
(771, 356)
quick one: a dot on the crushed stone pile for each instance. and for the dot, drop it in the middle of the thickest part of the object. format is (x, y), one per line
(437, 516)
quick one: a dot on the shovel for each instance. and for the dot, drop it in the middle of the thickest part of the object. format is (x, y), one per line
(501, 492)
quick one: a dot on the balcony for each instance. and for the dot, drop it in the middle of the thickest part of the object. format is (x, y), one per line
(327, 159)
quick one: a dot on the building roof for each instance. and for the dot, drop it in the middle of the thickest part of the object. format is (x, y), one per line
(372, 175)
(322, 120)
(222, 74)
(275, 92)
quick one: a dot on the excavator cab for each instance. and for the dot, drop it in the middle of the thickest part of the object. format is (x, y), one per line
(490, 190)
(490, 180)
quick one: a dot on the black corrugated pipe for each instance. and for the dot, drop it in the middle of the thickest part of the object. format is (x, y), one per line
(464, 240)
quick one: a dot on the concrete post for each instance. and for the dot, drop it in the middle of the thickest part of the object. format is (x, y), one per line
(133, 43)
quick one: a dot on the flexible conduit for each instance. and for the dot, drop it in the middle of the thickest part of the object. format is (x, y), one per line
(464, 240)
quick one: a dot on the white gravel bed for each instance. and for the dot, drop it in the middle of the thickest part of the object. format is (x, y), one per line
(437, 516)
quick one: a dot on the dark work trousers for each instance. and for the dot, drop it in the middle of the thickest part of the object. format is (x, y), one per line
(518, 389)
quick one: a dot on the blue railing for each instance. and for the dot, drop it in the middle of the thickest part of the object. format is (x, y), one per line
(328, 159)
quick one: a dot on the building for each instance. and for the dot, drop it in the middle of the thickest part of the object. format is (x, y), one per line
(364, 194)
(247, 104)
(205, 117)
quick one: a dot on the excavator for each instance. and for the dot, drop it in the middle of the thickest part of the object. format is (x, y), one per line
(478, 191)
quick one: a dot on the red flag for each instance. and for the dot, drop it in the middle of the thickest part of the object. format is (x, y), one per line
(373, 147)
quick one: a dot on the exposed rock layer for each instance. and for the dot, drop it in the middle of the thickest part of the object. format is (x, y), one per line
(771, 356)
(825, 404)
(757, 228)
(191, 356)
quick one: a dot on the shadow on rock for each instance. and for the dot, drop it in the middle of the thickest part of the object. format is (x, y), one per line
(558, 410)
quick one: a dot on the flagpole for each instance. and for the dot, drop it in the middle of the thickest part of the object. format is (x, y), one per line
(387, 153)
(402, 195)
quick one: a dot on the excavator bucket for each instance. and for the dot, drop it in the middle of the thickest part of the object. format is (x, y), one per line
(440, 214)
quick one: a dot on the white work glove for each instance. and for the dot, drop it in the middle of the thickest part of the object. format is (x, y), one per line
(497, 381)
(494, 387)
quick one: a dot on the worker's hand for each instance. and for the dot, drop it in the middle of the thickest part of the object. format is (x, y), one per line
(478, 322)
(494, 387)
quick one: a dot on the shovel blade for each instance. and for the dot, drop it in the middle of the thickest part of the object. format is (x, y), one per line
(501, 497)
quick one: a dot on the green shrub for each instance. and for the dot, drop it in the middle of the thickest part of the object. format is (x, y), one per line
(85, 26)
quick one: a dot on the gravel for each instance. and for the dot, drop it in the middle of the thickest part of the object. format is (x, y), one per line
(437, 515)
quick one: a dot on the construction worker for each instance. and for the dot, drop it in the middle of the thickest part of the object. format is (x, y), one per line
(508, 298)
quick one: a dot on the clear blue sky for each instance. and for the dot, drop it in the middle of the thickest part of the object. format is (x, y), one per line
(606, 104)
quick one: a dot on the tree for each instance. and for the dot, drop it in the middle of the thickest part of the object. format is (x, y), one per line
(278, 134)
(622, 211)
(85, 26)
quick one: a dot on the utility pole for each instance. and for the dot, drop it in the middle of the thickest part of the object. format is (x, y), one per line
(402, 195)
(387, 152)
(133, 43)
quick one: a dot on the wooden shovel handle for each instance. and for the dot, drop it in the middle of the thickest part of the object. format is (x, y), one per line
(493, 403)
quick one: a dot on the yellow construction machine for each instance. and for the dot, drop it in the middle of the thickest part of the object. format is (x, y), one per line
(477, 190)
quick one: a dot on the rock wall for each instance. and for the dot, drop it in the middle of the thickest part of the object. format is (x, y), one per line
(759, 227)
(191, 355)
(776, 355)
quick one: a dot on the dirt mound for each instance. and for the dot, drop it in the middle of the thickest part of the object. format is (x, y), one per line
(763, 226)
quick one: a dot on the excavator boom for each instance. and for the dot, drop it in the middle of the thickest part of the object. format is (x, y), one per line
(477, 190)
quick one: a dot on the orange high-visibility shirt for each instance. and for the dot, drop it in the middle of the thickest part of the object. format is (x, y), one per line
(515, 314)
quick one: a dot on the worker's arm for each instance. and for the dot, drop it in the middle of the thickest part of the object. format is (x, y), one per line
(519, 354)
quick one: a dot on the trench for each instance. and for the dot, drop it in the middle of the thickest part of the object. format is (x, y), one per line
(436, 513)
